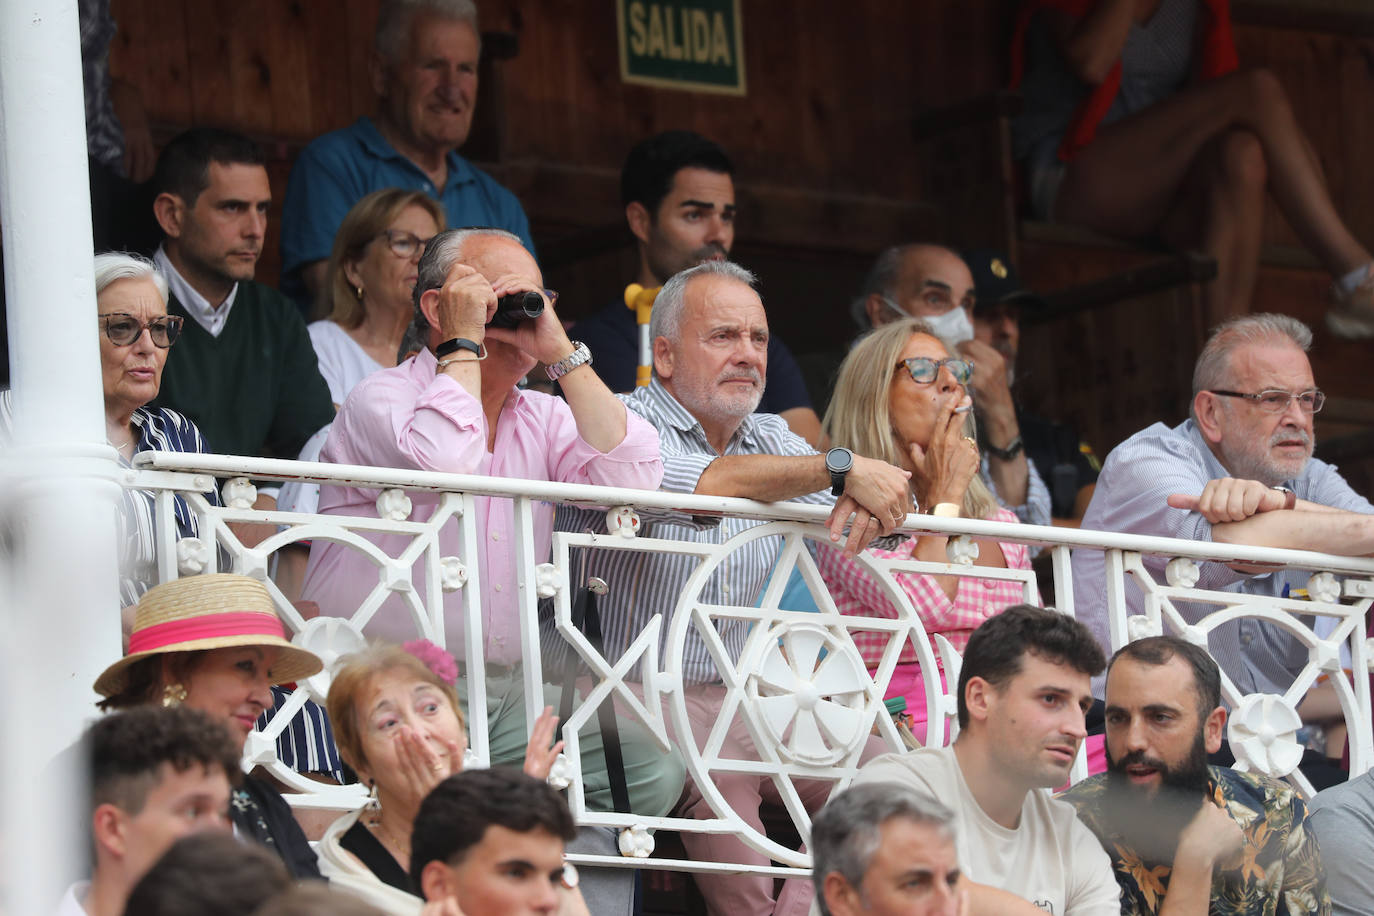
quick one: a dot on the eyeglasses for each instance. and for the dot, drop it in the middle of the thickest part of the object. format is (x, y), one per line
(924, 370)
(123, 329)
(1276, 400)
(404, 244)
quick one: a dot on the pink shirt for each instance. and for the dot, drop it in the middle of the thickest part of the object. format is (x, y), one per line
(409, 417)
(857, 593)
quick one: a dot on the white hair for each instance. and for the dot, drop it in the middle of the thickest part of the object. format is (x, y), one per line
(1213, 367)
(666, 318)
(392, 39)
(120, 265)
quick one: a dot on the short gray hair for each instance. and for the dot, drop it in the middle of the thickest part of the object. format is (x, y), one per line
(1213, 365)
(666, 318)
(391, 41)
(442, 252)
(846, 833)
(121, 265)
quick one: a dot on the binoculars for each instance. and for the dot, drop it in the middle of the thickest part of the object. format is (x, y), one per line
(515, 308)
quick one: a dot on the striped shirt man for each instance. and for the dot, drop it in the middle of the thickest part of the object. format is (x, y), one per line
(643, 584)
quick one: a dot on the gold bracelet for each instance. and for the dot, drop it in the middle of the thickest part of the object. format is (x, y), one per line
(946, 510)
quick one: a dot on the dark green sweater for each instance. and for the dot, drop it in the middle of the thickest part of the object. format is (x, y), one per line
(256, 389)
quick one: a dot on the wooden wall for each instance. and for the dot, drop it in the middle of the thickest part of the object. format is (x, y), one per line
(828, 168)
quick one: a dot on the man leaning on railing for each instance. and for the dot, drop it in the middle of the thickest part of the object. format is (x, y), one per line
(1240, 471)
(454, 407)
(710, 338)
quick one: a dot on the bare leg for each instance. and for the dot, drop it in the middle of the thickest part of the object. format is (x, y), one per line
(1156, 149)
(1220, 210)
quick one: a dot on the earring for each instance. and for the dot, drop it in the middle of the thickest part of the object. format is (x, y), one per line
(373, 807)
(359, 292)
(173, 695)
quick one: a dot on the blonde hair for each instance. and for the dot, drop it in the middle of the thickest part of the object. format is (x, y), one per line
(369, 218)
(860, 415)
(355, 672)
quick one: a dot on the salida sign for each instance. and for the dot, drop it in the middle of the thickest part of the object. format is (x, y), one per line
(694, 45)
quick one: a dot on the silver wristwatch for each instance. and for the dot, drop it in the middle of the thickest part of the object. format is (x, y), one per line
(577, 357)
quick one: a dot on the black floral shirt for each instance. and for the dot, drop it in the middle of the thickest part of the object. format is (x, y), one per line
(1281, 873)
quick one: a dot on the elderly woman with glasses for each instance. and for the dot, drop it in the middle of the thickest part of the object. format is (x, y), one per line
(367, 300)
(368, 285)
(135, 335)
(902, 398)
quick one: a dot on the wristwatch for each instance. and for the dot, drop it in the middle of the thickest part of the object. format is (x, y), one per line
(580, 355)
(454, 344)
(838, 462)
(1013, 449)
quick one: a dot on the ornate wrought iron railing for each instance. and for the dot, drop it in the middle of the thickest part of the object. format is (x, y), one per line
(799, 684)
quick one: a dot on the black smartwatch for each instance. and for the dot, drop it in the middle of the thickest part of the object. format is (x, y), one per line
(838, 461)
(1014, 448)
(454, 344)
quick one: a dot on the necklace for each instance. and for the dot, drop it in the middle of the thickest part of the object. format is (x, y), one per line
(395, 843)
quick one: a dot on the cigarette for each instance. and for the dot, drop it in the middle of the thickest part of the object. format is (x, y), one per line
(965, 409)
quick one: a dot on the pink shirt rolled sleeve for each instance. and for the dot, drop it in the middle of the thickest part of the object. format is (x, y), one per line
(409, 417)
(857, 593)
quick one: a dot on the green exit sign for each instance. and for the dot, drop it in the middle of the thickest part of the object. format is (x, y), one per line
(694, 45)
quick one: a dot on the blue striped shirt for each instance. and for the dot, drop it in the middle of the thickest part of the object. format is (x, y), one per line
(643, 584)
(155, 429)
(1131, 497)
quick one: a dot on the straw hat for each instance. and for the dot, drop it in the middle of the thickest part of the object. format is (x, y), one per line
(212, 611)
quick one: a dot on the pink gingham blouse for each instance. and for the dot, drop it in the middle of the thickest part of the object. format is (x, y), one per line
(855, 592)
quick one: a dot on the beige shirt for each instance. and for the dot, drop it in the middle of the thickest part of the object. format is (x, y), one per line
(1050, 859)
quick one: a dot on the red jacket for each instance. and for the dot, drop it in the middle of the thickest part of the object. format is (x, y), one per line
(1218, 57)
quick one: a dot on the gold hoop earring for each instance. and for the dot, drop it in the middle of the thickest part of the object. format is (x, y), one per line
(359, 292)
(173, 695)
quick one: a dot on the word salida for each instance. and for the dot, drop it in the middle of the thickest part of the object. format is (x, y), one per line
(663, 31)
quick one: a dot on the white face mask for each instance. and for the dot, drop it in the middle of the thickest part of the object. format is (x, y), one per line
(953, 327)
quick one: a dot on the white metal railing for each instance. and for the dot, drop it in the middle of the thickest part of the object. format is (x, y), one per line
(799, 684)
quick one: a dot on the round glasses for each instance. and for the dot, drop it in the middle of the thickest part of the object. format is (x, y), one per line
(924, 370)
(1276, 400)
(403, 244)
(124, 329)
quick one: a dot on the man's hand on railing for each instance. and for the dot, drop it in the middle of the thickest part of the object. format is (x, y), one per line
(1229, 499)
(878, 497)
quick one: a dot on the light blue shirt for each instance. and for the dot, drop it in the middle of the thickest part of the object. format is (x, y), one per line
(1137, 479)
(340, 168)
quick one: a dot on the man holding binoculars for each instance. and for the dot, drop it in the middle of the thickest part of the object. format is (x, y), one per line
(455, 407)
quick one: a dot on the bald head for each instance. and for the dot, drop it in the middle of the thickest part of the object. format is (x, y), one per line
(919, 280)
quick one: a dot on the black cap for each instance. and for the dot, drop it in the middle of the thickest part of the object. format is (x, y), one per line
(995, 280)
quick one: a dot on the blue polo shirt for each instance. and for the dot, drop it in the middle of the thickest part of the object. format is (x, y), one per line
(339, 168)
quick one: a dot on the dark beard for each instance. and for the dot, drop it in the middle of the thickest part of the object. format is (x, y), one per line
(1152, 822)
(663, 271)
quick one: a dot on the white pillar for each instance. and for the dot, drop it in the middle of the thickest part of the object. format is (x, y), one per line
(60, 618)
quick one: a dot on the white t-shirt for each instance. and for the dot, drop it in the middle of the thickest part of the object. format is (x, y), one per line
(343, 363)
(1050, 859)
